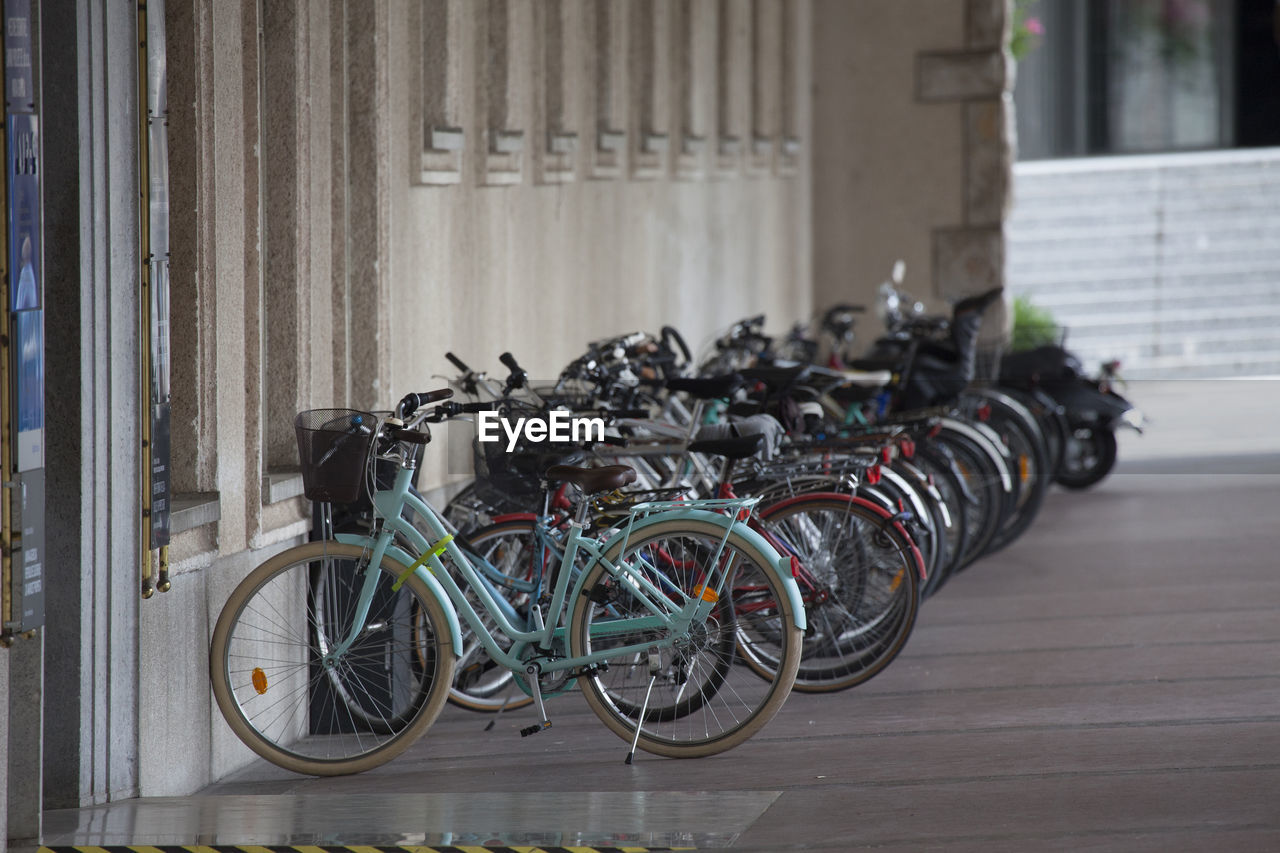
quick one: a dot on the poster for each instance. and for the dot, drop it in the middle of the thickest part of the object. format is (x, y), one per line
(19, 81)
(26, 291)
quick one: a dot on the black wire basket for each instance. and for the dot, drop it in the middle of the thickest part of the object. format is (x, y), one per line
(986, 364)
(333, 447)
(507, 479)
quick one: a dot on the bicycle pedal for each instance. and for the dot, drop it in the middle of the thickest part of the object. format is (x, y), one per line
(534, 729)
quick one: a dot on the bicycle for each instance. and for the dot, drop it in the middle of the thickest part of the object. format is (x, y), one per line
(334, 656)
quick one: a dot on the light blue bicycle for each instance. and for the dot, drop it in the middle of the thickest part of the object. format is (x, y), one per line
(334, 656)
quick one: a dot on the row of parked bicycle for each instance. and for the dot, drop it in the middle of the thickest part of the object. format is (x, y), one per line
(747, 523)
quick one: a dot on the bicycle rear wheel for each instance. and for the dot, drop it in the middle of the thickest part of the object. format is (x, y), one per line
(860, 578)
(697, 702)
(292, 699)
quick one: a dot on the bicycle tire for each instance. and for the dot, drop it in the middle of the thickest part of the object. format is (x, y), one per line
(731, 708)
(1089, 458)
(861, 585)
(939, 508)
(937, 462)
(1027, 446)
(316, 731)
(982, 513)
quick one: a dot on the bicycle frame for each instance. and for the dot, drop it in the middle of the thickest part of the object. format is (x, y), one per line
(665, 611)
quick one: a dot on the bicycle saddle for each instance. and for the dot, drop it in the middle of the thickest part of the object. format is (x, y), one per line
(777, 378)
(735, 447)
(592, 480)
(706, 387)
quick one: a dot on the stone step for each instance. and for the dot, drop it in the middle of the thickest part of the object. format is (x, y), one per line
(1171, 262)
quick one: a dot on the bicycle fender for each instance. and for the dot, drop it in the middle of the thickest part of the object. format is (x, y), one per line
(781, 562)
(887, 517)
(403, 558)
(513, 516)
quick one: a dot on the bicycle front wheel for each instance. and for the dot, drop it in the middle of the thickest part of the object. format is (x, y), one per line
(287, 691)
(682, 688)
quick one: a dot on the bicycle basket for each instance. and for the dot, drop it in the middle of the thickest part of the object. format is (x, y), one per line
(503, 476)
(333, 447)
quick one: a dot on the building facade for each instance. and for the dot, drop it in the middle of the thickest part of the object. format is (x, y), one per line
(355, 188)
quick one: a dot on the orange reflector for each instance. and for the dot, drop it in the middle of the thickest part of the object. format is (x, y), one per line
(259, 680)
(707, 594)
(1022, 467)
(897, 581)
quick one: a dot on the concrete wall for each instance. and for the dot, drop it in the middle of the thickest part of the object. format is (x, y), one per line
(911, 149)
(339, 265)
(1166, 262)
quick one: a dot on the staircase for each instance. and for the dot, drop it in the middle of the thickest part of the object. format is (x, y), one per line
(1170, 263)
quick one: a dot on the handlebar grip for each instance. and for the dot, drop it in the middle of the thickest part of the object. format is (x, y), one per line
(434, 396)
(412, 402)
(457, 362)
(510, 362)
(450, 410)
(412, 436)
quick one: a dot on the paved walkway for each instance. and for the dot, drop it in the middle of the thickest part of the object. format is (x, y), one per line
(1109, 682)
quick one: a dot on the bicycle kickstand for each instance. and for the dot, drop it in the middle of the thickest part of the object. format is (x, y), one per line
(493, 722)
(531, 673)
(644, 707)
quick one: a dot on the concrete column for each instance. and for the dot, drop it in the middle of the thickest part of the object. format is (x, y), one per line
(368, 187)
(65, 777)
(92, 292)
(26, 688)
(912, 146)
(4, 752)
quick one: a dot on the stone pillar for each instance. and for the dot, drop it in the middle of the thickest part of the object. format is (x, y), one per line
(23, 730)
(64, 603)
(912, 148)
(368, 179)
(969, 258)
(92, 289)
(4, 752)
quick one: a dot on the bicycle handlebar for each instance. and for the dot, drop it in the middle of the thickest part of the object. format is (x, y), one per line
(412, 402)
(510, 362)
(457, 362)
(518, 378)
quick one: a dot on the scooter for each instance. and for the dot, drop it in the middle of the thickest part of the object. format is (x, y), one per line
(1094, 410)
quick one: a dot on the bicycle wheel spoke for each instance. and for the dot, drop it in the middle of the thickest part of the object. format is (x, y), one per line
(702, 702)
(311, 701)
